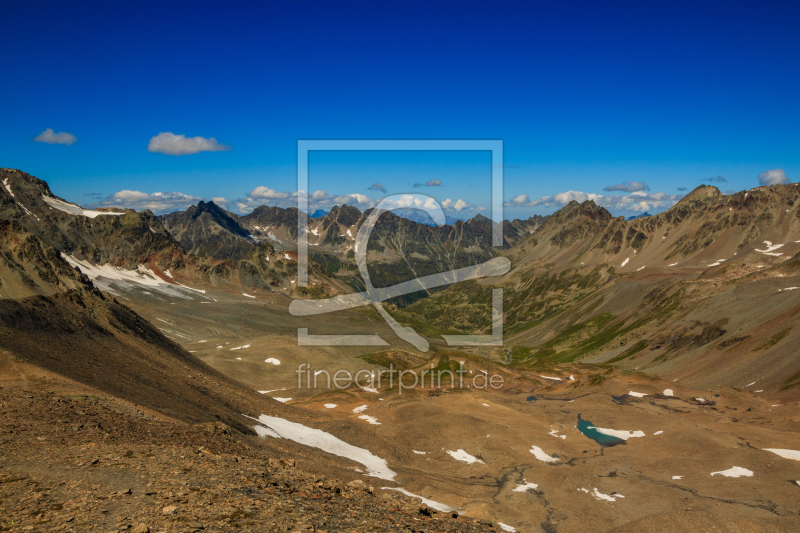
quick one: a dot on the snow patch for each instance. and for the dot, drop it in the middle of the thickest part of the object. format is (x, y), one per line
(554, 432)
(600, 496)
(360, 409)
(282, 400)
(620, 434)
(770, 248)
(73, 209)
(545, 377)
(461, 455)
(786, 454)
(658, 433)
(542, 456)
(419, 453)
(525, 488)
(677, 477)
(625, 262)
(279, 428)
(637, 394)
(330, 406)
(638, 269)
(8, 187)
(736, 471)
(272, 360)
(668, 392)
(789, 289)
(248, 295)
(672, 265)
(371, 419)
(506, 527)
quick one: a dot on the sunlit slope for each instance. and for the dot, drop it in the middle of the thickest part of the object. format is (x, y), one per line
(704, 290)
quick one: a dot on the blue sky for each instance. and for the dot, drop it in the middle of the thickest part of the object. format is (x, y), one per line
(584, 96)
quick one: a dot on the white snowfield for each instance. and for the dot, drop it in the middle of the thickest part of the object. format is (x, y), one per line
(668, 392)
(360, 409)
(677, 477)
(637, 394)
(73, 209)
(248, 295)
(786, 454)
(113, 279)
(240, 347)
(736, 471)
(430, 503)
(789, 289)
(554, 432)
(273, 361)
(271, 426)
(672, 265)
(330, 406)
(525, 487)
(419, 453)
(625, 262)
(620, 434)
(542, 455)
(639, 269)
(461, 455)
(506, 527)
(8, 187)
(282, 400)
(545, 377)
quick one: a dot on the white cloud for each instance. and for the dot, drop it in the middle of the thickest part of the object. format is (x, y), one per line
(265, 193)
(458, 205)
(638, 201)
(630, 186)
(158, 202)
(50, 137)
(773, 177)
(171, 144)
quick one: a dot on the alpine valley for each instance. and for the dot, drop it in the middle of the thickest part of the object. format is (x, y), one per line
(152, 378)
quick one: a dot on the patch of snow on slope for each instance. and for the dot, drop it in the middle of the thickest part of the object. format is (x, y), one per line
(330, 406)
(554, 432)
(788, 289)
(73, 209)
(419, 453)
(545, 377)
(637, 394)
(360, 409)
(600, 496)
(525, 488)
(506, 527)
(786, 454)
(625, 262)
(371, 419)
(620, 434)
(542, 456)
(430, 503)
(282, 400)
(8, 187)
(461, 455)
(113, 279)
(240, 347)
(736, 471)
(278, 427)
(672, 265)
(770, 248)
(638, 269)
(248, 295)
(272, 360)
(668, 392)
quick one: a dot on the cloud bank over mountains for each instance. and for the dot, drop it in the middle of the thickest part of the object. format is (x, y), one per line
(638, 201)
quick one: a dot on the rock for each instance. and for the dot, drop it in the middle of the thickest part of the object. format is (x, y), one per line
(169, 510)
(141, 528)
(357, 484)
